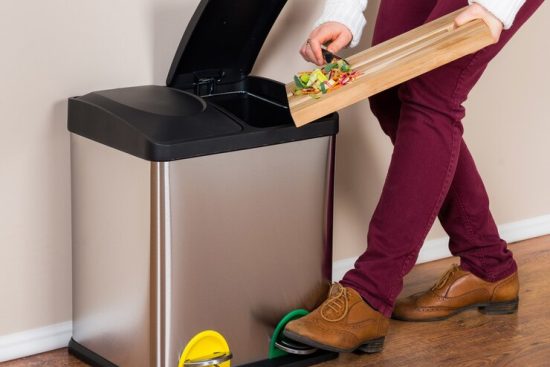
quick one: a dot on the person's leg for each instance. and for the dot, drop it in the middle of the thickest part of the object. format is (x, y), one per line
(465, 214)
(467, 219)
(328, 326)
(426, 155)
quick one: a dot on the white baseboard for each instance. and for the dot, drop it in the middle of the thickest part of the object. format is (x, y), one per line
(438, 248)
(29, 342)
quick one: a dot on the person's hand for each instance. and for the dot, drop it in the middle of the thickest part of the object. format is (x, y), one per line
(337, 34)
(476, 11)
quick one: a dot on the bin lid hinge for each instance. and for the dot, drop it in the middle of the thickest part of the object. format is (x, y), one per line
(205, 85)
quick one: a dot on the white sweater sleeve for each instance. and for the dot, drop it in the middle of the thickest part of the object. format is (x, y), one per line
(505, 10)
(347, 12)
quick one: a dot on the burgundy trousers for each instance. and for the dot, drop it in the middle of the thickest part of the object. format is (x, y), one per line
(431, 173)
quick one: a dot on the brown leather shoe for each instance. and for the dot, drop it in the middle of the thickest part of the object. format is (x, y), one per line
(456, 291)
(343, 323)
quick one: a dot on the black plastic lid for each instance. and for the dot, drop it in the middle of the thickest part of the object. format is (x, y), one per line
(164, 124)
(223, 40)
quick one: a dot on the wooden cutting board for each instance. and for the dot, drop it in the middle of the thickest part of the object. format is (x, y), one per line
(395, 61)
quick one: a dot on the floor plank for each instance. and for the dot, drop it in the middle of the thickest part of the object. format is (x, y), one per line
(57, 358)
(470, 339)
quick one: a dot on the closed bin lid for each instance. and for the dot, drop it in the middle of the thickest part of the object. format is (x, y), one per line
(223, 38)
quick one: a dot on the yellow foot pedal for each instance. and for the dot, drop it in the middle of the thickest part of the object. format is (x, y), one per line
(208, 348)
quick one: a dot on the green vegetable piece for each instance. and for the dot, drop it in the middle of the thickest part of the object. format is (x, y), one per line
(298, 82)
(304, 78)
(320, 76)
(312, 79)
(329, 67)
(345, 67)
(323, 88)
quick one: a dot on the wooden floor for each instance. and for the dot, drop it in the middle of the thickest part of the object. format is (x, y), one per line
(470, 339)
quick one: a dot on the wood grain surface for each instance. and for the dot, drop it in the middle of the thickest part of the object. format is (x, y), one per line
(57, 358)
(470, 339)
(395, 61)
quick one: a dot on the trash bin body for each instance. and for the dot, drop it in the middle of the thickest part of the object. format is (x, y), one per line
(164, 250)
(197, 206)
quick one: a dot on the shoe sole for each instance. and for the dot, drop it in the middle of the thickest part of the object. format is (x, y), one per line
(369, 347)
(493, 308)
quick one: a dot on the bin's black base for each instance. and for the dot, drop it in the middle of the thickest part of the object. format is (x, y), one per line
(86, 355)
(295, 360)
(95, 360)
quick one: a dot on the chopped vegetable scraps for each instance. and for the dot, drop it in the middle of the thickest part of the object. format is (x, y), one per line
(323, 80)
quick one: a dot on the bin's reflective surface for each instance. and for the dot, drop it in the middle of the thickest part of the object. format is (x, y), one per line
(162, 251)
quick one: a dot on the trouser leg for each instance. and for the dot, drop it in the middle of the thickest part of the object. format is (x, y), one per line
(427, 151)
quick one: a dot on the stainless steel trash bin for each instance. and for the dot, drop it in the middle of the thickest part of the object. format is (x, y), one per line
(198, 205)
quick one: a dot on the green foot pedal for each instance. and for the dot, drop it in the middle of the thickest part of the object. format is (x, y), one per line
(282, 346)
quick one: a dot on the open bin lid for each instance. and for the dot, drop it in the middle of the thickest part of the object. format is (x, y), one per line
(162, 124)
(223, 40)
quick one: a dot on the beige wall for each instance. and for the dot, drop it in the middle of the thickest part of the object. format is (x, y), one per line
(59, 48)
(52, 50)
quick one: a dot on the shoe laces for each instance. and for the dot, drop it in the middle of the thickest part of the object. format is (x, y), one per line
(443, 280)
(336, 307)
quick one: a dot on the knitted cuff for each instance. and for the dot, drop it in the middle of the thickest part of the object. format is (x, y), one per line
(347, 12)
(505, 10)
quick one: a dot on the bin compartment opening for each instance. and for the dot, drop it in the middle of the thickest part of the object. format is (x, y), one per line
(259, 102)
